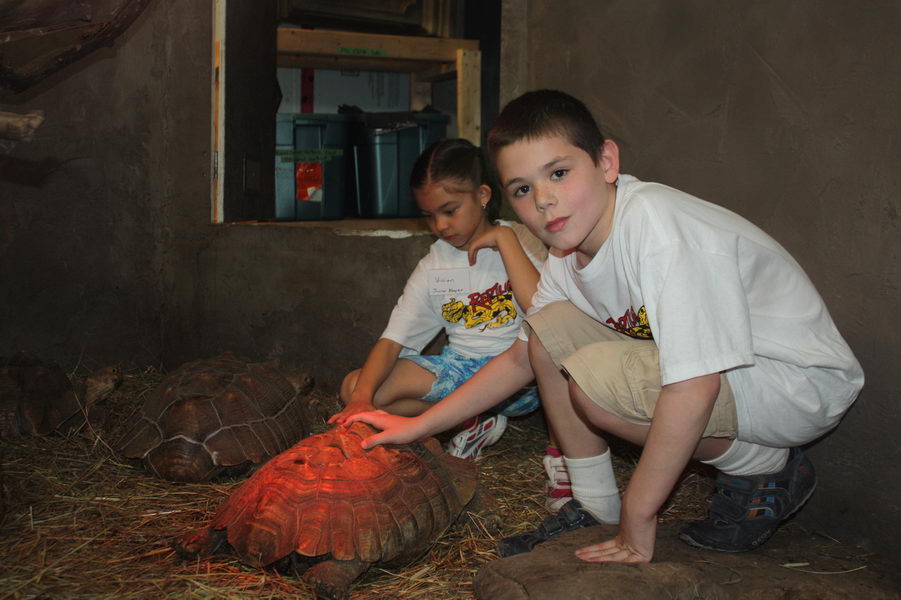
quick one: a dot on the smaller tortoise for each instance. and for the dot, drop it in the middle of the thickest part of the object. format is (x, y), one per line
(37, 398)
(327, 509)
(218, 417)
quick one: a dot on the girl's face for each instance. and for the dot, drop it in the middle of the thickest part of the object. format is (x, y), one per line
(454, 215)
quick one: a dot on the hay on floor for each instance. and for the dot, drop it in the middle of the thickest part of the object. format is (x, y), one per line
(77, 520)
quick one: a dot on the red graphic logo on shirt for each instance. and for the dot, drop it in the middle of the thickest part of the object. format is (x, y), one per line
(632, 324)
(492, 308)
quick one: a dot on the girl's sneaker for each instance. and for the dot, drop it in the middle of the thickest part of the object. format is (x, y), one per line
(478, 433)
(559, 488)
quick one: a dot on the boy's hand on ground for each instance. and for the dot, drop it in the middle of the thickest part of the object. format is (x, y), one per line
(490, 238)
(395, 429)
(633, 544)
(352, 408)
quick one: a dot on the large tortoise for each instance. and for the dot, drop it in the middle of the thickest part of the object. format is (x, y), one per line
(327, 509)
(218, 416)
(37, 398)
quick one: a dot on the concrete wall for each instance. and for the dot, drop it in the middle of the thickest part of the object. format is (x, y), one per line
(80, 206)
(314, 299)
(107, 253)
(787, 113)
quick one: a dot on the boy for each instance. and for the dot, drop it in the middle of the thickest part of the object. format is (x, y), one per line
(664, 320)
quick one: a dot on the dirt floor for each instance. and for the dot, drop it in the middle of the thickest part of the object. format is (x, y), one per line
(78, 521)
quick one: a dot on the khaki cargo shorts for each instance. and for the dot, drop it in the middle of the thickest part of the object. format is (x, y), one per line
(619, 373)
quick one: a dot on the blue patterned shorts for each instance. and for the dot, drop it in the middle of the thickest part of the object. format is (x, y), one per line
(451, 370)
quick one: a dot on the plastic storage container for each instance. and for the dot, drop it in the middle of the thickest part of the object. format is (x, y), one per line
(311, 166)
(383, 162)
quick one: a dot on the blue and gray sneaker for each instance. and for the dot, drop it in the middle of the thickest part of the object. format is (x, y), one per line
(745, 511)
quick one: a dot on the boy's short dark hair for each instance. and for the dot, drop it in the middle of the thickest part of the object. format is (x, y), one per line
(546, 112)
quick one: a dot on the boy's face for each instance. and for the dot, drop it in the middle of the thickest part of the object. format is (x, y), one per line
(559, 193)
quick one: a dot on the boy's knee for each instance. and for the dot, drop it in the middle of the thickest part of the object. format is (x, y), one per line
(596, 413)
(537, 351)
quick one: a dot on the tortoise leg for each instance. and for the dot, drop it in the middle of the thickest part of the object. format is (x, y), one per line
(332, 578)
(201, 542)
(481, 513)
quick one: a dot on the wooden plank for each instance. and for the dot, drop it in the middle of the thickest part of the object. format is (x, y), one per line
(369, 45)
(469, 95)
(342, 63)
(437, 72)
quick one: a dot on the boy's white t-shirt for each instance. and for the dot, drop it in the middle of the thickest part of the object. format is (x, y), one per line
(473, 304)
(716, 294)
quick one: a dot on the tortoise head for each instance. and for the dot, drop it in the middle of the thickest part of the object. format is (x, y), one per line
(101, 384)
(302, 382)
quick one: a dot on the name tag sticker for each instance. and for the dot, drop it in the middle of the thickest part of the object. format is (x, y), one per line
(447, 282)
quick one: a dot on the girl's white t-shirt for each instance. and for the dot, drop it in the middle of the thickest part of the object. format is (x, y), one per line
(473, 304)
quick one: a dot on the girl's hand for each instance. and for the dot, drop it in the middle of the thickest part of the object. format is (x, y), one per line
(490, 238)
(633, 544)
(352, 408)
(395, 429)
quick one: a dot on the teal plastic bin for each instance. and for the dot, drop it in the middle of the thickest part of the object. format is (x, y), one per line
(383, 162)
(311, 166)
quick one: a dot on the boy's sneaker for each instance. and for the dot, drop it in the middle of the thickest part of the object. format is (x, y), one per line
(478, 433)
(570, 517)
(559, 488)
(746, 510)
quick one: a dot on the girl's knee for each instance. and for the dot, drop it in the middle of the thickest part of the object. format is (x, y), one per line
(348, 384)
(379, 401)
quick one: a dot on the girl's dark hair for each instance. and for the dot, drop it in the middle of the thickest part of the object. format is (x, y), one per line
(542, 113)
(458, 161)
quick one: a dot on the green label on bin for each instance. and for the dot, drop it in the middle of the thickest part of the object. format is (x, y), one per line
(362, 51)
(301, 155)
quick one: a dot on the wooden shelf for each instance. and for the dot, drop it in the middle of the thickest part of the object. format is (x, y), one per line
(428, 59)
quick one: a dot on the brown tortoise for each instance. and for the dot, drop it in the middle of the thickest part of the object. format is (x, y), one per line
(37, 398)
(218, 417)
(328, 509)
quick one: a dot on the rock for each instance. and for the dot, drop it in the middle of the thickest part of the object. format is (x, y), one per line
(793, 565)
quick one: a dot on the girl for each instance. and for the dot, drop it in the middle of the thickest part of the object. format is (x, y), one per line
(477, 298)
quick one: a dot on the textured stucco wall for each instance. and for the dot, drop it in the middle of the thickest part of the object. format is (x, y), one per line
(309, 297)
(787, 113)
(107, 253)
(79, 207)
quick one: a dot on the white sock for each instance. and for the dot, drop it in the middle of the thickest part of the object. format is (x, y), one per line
(745, 458)
(594, 486)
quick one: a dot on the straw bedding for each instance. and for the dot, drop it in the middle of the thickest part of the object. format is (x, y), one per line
(76, 520)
